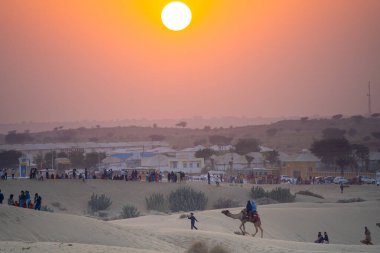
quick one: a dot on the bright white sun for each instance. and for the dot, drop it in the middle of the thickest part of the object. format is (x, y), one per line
(176, 16)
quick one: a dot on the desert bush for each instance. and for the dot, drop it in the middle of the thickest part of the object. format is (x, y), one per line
(45, 208)
(198, 247)
(266, 201)
(218, 249)
(157, 202)
(201, 247)
(183, 216)
(129, 211)
(58, 205)
(257, 192)
(309, 193)
(281, 195)
(102, 214)
(225, 203)
(350, 200)
(186, 199)
(99, 203)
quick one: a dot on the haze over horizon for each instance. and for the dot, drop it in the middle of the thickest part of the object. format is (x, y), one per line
(104, 60)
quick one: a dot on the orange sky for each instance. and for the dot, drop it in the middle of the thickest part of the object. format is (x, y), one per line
(72, 60)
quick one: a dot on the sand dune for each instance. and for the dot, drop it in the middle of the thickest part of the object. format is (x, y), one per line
(288, 227)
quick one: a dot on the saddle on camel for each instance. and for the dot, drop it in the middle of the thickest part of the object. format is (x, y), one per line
(252, 216)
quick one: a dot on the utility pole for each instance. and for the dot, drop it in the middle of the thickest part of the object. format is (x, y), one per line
(369, 98)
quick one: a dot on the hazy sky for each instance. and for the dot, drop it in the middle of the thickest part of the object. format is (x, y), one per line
(72, 60)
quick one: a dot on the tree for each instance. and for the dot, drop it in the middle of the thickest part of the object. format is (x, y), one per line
(333, 133)
(156, 137)
(13, 137)
(48, 158)
(207, 128)
(332, 150)
(249, 160)
(360, 154)
(271, 132)
(62, 155)
(9, 158)
(271, 156)
(39, 160)
(181, 124)
(352, 132)
(376, 135)
(304, 119)
(204, 153)
(245, 146)
(375, 115)
(357, 118)
(337, 116)
(93, 158)
(77, 159)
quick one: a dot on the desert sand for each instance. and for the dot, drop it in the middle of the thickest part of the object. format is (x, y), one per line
(290, 227)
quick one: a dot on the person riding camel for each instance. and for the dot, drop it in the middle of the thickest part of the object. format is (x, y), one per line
(251, 210)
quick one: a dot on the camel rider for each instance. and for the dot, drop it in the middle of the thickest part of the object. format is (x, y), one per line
(251, 209)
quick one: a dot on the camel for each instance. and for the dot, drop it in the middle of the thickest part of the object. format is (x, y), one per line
(243, 218)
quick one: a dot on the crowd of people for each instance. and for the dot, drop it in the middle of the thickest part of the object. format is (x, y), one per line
(4, 173)
(24, 200)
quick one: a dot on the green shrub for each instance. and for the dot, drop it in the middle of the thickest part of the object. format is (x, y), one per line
(257, 192)
(281, 195)
(157, 202)
(309, 193)
(225, 203)
(99, 203)
(186, 199)
(129, 211)
(350, 200)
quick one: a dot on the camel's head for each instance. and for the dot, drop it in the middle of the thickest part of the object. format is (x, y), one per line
(378, 224)
(225, 212)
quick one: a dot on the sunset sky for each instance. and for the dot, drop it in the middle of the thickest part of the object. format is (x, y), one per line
(73, 60)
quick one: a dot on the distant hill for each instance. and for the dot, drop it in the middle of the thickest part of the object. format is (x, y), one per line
(286, 135)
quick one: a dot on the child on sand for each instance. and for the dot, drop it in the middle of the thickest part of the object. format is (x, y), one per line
(368, 239)
(193, 220)
(326, 238)
(320, 238)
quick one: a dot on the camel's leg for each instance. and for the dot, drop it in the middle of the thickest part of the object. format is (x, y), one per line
(255, 229)
(242, 224)
(243, 230)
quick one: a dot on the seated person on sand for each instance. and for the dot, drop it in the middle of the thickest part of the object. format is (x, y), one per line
(11, 201)
(320, 238)
(367, 239)
(326, 238)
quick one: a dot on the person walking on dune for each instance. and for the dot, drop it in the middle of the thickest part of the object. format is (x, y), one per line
(368, 239)
(193, 220)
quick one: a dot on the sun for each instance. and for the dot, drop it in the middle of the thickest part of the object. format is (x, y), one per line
(176, 16)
